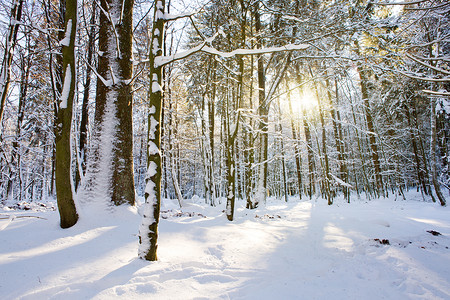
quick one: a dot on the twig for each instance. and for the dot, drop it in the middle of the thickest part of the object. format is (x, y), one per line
(18, 217)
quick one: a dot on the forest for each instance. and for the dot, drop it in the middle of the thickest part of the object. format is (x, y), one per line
(212, 149)
(112, 101)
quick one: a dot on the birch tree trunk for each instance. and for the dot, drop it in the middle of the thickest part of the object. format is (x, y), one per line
(148, 232)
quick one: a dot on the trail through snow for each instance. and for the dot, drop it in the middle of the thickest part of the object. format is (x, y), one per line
(295, 250)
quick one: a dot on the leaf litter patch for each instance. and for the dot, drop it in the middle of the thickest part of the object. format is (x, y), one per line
(422, 241)
(168, 214)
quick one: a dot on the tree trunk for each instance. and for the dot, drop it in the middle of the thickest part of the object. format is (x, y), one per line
(148, 232)
(420, 176)
(326, 165)
(15, 172)
(371, 129)
(5, 72)
(283, 159)
(433, 146)
(231, 162)
(263, 112)
(84, 105)
(113, 154)
(66, 204)
(298, 158)
(211, 119)
(340, 146)
(360, 152)
(311, 160)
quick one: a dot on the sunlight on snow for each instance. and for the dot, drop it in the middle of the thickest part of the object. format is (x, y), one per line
(431, 222)
(110, 262)
(420, 279)
(54, 246)
(335, 238)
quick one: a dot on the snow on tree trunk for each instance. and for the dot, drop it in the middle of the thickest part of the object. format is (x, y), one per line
(110, 172)
(148, 231)
(433, 145)
(63, 178)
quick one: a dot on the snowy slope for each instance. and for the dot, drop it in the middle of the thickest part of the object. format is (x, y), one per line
(299, 250)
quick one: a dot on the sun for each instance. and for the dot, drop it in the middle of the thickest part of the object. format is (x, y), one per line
(301, 101)
(306, 100)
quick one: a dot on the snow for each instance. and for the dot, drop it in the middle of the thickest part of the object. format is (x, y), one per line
(96, 188)
(159, 12)
(66, 40)
(155, 85)
(172, 17)
(445, 105)
(164, 60)
(152, 148)
(66, 88)
(296, 250)
(152, 168)
(341, 182)
(153, 125)
(155, 47)
(150, 187)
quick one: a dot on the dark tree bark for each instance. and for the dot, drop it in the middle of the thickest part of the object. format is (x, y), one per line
(325, 161)
(15, 173)
(263, 112)
(114, 99)
(66, 204)
(298, 157)
(5, 72)
(231, 134)
(419, 170)
(364, 77)
(84, 106)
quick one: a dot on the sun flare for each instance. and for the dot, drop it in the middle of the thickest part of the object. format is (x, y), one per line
(301, 101)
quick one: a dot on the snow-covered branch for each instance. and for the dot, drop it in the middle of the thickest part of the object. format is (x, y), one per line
(446, 79)
(164, 60)
(434, 93)
(100, 77)
(400, 2)
(170, 17)
(428, 65)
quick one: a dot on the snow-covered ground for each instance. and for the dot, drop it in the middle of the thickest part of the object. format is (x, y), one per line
(296, 250)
